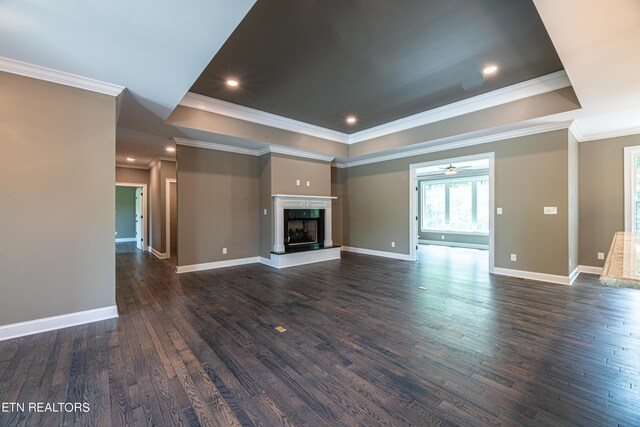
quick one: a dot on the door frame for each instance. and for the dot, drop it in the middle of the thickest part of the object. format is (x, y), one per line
(413, 201)
(167, 213)
(145, 214)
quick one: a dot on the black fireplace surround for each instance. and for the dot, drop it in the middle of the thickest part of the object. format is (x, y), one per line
(304, 229)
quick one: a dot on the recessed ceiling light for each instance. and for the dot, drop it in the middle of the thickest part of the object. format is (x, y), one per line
(130, 159)
(171, 149)
(232, 83)
(351, 120)
(490, 69)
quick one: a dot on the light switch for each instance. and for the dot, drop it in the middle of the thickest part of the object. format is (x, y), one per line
(600, 255)
(550, 210)
(224, 251)
(499, 211)
(514, 257)
(265, 211)
(308, 184)
(297, 182)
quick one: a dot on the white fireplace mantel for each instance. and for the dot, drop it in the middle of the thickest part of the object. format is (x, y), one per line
(290, 201)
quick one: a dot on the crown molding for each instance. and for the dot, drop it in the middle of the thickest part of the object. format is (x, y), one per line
(54, 76)
(253, 152)
(158, 159)
(611, 134)
(217, 106)
(537, 86)
(464, 142)
(576, 132)
(216, 147)
(294, 152)
(129, 166)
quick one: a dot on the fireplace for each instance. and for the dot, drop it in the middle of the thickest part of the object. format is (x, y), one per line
(304, 229)
(301, 223)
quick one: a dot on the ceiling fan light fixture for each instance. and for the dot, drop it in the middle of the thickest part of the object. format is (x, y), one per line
(451, 170)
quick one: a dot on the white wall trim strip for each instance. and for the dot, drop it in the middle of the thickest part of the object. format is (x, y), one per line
(254, 152)
(126, 239)
(384, 254)
(590, 269)
(122, 165)
(37, 326)
(60, 77)
(158, 254)
(531, 275)
(537, 86)
(574, 275)
(453, 244)
(612, 134)
(462, 142)
(217, 264)
(217, 106)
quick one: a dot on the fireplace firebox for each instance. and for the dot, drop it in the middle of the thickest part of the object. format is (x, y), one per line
(304, 229)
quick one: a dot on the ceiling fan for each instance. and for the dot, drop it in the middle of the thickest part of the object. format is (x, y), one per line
(452, 170)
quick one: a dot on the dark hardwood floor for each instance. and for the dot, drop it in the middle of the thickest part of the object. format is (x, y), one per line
(364, 345)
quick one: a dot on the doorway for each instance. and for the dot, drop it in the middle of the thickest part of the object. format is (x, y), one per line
(131, 207)
(452, 204)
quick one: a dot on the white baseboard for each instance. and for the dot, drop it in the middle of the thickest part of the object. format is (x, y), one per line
(217, 264)
(301, 258)
(574, 275)
(126, 239)
(393, 255)
(531, 275)
(37, 326)
(453, 244)
(589, 269)
(158, 254)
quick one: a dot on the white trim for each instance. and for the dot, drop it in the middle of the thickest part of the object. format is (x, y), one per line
(464, 142)
(126, 239)
(294, 152)
(216, 264)
(254, 152)
(297, 196)
(588, 269)
(575, 130)
(158, 254)
(60, 77)
(537, 86)
(158, 159)
(413, 201)
(340, 165)
(129, 166)
(46, 324)
(393, 255)
(630, 178)
(145, 234)
(612, 134)
(453, 244)
(167, 213)
(530, 275)
(301, 258)
(217, 147)
(574, 275)
(217, 106)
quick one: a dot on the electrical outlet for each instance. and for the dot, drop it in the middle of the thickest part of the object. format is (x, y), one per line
(265, 211)
(499, 211)
(297, 182)
(600, 255)
(550, 210)
(308, 184)
(393, 244)
(514, 257)
(224, 251)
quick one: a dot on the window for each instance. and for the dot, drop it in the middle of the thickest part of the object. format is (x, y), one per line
(457, 205)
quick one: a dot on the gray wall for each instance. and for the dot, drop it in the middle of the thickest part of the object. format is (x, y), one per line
(601, 195)
(338, 190)
(157, 202)
(266, 204)
(574, 206)
(218, 205)
(56, 188)
(173, 223)
(285, 170)
(125, 212)
(530, 173)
